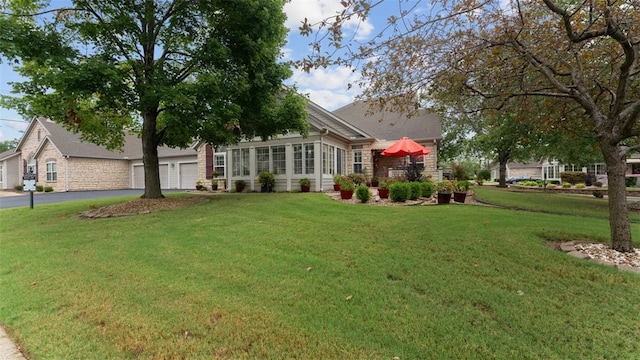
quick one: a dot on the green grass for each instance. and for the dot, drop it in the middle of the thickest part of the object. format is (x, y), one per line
(548, 202)
(274, 276)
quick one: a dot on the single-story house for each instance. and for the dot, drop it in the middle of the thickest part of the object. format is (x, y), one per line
(551, 170)
(339, 142)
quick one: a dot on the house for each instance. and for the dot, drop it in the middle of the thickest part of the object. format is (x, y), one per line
(339, 142)
(551, 170)
(61, 160)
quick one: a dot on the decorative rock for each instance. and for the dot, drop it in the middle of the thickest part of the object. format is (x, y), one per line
(579, 254)
(567, 247)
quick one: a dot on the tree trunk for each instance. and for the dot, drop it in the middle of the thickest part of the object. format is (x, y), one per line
(150, 158)
(503, 159)
(618, 210)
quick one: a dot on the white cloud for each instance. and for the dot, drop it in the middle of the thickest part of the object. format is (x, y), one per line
(327, 87)
(318, 10)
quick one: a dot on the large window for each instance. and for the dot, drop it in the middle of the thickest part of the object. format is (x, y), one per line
(279, 160)
(1, 171)
(262, 159)
(303, 159)
(357, 160)
(52, 171)
(341, 164)
(332, 160)
(551, 172)
(240, 162)
(598, 169)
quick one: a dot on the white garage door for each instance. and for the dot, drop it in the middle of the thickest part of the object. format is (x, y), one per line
(138, 176)
(188, 175)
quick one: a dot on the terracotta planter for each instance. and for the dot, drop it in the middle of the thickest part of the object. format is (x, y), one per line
(444, 198)
(239, 188)
(305, 188)
(336, 187)
(459, 197)
(375, 183)
(346, 194)
(383, 193)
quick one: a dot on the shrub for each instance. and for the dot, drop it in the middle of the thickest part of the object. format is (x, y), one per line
(399, 191)
(363, 194)
(305, 181)
(415, 190)
(427, 188)
(266, 178)
(18, 187)
(384, 184)
(581, 185)
(573, 177)
(484, 174)
(347, 184)
(459, 172)
(598, 194)
(462, 186)
(48, 188)
(337, 178)
(630, 181)
(357, 178)
(446, 186)
(551, 186)
(597, 184)
(39, 188)
(565, 185)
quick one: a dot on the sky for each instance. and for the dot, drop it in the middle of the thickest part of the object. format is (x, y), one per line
(326, 87)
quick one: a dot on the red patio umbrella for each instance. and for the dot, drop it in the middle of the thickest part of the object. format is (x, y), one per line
(404, 147)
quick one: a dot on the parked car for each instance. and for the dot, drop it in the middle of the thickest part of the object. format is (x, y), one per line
(516, 179)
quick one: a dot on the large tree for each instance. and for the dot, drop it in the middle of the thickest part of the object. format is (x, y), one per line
(582, 53)
(175, 71)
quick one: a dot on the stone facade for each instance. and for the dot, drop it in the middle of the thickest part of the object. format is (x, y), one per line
(90, 174)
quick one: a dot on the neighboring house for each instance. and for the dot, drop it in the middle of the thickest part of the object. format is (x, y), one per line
(9, 169)
(341, 142)
(551, 170)
(61, 160)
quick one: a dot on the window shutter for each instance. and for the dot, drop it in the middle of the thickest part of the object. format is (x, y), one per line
(37, 172)
(24, 166)
(209, 162)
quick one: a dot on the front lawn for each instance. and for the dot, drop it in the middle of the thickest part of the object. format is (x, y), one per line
(302, 276)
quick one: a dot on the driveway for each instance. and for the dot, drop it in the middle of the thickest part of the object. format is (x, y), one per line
(10, 199)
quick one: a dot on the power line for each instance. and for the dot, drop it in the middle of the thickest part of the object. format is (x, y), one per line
(13, 120)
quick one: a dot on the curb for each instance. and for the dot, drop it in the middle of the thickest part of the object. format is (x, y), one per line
(8, 349)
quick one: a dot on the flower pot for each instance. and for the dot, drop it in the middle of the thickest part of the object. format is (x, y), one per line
(198, 187)
(266, 188)
(239, 188)
(375, 183)
(383, 193)
(444, 198)
(214, 186)
(305, 188)
(346, 194)
(459, 197)
(336, 187)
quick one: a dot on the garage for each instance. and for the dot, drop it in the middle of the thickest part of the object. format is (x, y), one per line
(138, 176)
(188, 175)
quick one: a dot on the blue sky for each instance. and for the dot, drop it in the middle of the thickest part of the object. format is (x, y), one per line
(327, 87)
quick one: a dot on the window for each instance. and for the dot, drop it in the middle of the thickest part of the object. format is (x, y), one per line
(325, 151)
(52, 171)
(279, 160)
(240, 162)
(303, 159)
(1, 171)
(31, 166)
(297, 158)
(341, 166)
(357, 160)
(597, 169)
(262, 159)
(551, 172)
(309, 159)
(219, 164)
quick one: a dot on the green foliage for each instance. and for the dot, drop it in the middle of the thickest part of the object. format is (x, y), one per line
(193, 70)
(8, 145)
(415, 190)
(484, 174)
(386, 182)
(39, 188)
(363, 194)
(446, 186)
(459, 172)
(18, 187)
(399, 191)
(266, 178)
(566, 185)
(581, 185)
(573, 177)
(337, 178)
(462, 186)
(240, 182)
(346, 183)
(630, 181)
(357, 178)
(305, 181)
(427, 188)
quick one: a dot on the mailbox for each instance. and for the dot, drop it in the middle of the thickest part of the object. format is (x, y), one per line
(29, 182)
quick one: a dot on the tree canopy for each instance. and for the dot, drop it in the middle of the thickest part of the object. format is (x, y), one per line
(174, 71)
(578, 60)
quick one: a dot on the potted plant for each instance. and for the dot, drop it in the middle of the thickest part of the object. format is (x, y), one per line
(375, 181)
(445, 189)
(347, 187)
(267, 181)
(336, 182)
(240, 184)
(383, 189)
(214, 184)
(199, 185)
(305, 185)
(460, 191)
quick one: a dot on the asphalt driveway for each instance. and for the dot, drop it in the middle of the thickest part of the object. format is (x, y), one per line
(12, 199)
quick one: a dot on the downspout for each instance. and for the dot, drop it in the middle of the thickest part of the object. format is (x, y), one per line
(321, 178)
(66, 172)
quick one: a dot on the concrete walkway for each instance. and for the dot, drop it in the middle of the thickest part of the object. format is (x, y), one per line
(8, 350)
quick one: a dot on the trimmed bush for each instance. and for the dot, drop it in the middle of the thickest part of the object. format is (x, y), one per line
(399, 191)
(48, 188)
(415, 190)
(39, 188)
(484, 174)
(565, 185)
(18, 188)
(573, 177)
(581, 185)
(551, 186)
(427, 188)
(630, 181)
(363, 194)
